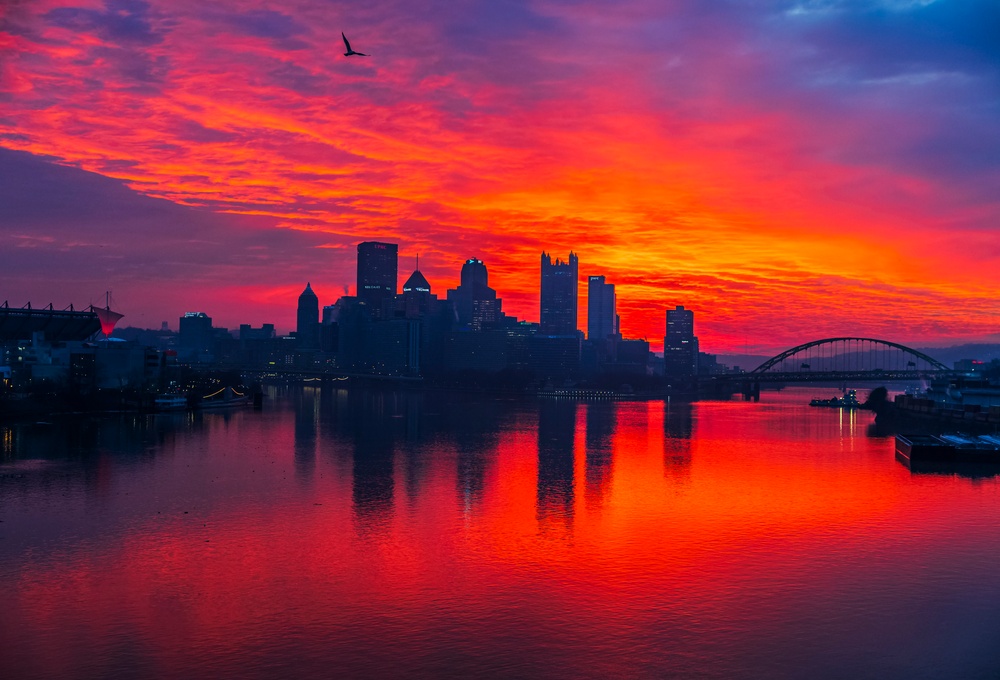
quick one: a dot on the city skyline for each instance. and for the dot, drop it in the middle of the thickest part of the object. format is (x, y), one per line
(817, 162)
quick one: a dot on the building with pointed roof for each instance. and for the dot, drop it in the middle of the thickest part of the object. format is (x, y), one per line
(416, 283)
(307, 319)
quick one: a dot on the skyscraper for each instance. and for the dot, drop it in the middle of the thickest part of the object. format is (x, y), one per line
(377, 272)
(557, 313)
(416, 298)
(195, 331)
(476, 304)
(307, 319)
(680, 346)
(602, 318)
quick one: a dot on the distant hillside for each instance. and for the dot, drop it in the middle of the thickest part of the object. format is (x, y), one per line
(747, 362)
(949, 355)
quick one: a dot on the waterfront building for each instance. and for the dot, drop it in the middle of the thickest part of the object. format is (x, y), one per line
(56, 325)
(602, 317)
(195, 333)
(79, 368)
(708, 364)
(262, 348)
(307, 319)
(547, 357)
(377, 273)
(558, 296)
(374, 345)
(680, 345)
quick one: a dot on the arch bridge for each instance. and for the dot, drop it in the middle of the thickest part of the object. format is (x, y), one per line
(842, 359)
(848, 358)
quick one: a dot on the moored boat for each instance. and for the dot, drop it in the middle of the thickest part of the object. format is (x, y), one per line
(225, 398)
(849, 400)
(170, 402)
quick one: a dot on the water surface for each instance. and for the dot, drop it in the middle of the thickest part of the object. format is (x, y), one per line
(365, 534)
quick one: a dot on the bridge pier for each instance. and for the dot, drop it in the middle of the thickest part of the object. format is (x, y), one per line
(751, 390)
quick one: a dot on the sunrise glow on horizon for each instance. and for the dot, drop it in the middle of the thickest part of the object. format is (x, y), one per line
(789, 170)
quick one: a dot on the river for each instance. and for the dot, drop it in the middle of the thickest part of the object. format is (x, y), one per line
(378, 534)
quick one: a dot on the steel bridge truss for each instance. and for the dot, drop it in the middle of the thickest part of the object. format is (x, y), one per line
(848, 358)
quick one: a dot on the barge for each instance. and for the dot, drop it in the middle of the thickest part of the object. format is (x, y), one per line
(947, 448)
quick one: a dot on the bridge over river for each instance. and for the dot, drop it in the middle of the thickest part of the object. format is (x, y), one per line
(843, 359)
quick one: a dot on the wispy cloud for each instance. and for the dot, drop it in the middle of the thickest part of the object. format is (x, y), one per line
(771, 161)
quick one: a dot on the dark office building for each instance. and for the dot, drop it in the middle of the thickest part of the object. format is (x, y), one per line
(630, 356)
(377, 272)
(547, 357)
(602, 317)
(249, 333)
(680, 346)
(558, 305)
(486, 351)
(476, 304)
(195, 332)
(307, 320)
(383, 346)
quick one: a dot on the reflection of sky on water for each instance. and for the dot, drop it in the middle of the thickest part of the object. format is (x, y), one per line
(428, 534)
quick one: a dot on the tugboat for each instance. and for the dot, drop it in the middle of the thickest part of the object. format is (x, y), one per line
(848, 401)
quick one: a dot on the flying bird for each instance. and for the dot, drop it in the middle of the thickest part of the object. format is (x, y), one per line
(349, 51)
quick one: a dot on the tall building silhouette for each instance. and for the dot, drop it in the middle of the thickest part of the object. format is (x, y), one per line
(307, 319)
(602, 317)
(416, 298)
(417, 283)
(680, 346)
(476, 304)
(558, 303)
(195, 331)
(377, 273)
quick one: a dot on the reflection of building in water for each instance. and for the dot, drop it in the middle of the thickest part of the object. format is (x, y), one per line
(374, 457)
(678, 428)
(476, 424)
(415, 456)
(471, 477)
(93, 452)
(6, 442)
(305, 432)
(334, 430)
(600, 455)
(556, 429)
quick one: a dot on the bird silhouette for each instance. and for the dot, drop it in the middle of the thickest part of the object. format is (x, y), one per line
(349, 51)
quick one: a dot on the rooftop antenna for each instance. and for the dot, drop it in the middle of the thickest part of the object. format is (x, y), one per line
(418, 261)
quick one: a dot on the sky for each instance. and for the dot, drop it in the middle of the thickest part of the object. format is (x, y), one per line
(790, 170)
